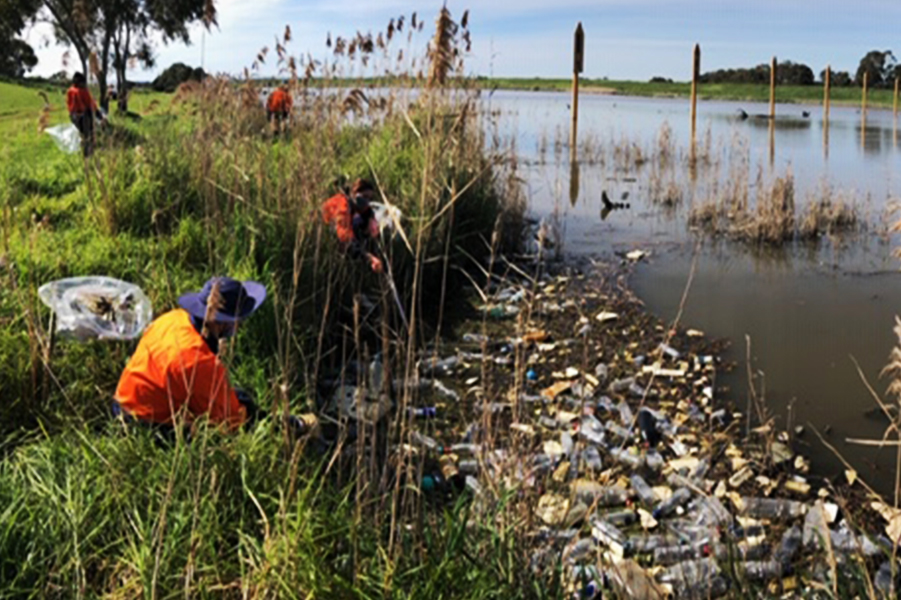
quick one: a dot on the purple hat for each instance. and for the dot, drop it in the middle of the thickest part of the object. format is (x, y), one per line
(239, 299)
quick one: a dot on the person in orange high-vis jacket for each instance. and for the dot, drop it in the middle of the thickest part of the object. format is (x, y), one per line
(278, 108)
(354, 220)
(175, 372)
(82, 111)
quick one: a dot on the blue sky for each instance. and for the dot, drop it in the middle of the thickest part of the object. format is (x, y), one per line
(625, 39)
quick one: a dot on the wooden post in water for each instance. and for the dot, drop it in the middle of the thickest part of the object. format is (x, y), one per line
(578, 67)
(895, 103)
(827, 84)
(773, 88)
(863, 111)
(695, 75)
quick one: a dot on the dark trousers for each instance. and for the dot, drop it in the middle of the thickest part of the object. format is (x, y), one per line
(84, 122)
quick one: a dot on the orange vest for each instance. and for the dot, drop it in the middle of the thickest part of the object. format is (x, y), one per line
(336, 210)
(279, 101)
(79, 100)
(172, 370)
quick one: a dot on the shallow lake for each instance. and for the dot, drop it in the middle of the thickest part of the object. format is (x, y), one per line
(807, 310)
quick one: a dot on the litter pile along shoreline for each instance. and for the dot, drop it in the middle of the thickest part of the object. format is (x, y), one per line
(639, 478)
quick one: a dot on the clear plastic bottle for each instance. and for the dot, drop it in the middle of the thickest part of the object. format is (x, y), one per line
(679, 498)
(642, 489)
(626, 458)
(424, 440)
(772, 508)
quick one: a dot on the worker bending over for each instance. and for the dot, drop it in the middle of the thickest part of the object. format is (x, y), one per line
(354, 220)
(278, 109)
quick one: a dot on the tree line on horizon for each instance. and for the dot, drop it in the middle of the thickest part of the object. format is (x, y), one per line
(881, 68)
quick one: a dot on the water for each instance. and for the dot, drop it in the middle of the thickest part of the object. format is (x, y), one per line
(807, 311)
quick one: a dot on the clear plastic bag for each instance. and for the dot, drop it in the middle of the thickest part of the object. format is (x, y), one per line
(97, 308)
(66, 137)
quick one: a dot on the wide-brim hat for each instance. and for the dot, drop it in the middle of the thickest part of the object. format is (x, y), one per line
(239, 299)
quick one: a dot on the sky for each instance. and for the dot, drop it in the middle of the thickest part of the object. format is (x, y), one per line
(624, 39)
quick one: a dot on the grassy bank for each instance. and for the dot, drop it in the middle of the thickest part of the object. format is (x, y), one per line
(793, 94)
(198, 187)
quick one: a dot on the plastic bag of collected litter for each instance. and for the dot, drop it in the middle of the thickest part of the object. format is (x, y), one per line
(66, 137)
(102, 308)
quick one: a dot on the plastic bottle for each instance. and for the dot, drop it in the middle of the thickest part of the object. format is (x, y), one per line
(642, 489)
(772, 508)
(425, 412)
(621, 385)
(626, 458)
(475, 338)
(424, 440)
(617, 430)
(759, 570)
(625, 413)
(591, 457)
(654, 460)
(687, 575)
(607, 534)
(679, 497)
(636, 390)
(591, 430)
(670, 555)
(789, 546)
(623, 518)
(463, 448)
(670, 351)
(605, 404)
(445, 391)
(645, 544)
(589, 492)
(468, 467)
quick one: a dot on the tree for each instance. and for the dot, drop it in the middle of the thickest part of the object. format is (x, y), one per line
(879, 67)
(837, 78)
(112, 33)
(175, 75)
(16, 56)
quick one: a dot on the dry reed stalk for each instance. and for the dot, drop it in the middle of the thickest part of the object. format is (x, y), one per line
(442, 51)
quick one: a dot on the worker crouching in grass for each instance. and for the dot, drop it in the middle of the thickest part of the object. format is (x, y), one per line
(355, 224)
(82, 112)
(278, 110)
(175, 375)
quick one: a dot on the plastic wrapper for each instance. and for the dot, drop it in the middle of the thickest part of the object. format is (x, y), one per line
(66, 137)
(97, 308)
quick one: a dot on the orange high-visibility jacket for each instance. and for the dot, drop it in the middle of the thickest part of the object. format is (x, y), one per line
(279, 101)
(174, 368)
(79, 100)
(336, 210)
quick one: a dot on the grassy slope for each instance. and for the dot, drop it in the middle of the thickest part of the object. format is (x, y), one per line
(719, 91)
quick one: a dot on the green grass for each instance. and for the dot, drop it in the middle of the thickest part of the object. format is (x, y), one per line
(880, 98)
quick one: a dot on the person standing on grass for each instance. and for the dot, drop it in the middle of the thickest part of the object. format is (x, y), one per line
(82, 111)
(278, 109)
(355, 224)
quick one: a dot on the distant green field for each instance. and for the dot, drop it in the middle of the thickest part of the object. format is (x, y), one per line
(813, 94)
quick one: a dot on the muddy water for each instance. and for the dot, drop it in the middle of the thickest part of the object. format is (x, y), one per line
(807, 311)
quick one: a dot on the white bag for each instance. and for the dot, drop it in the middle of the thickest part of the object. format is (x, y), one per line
(97, 308)
(67, 137)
